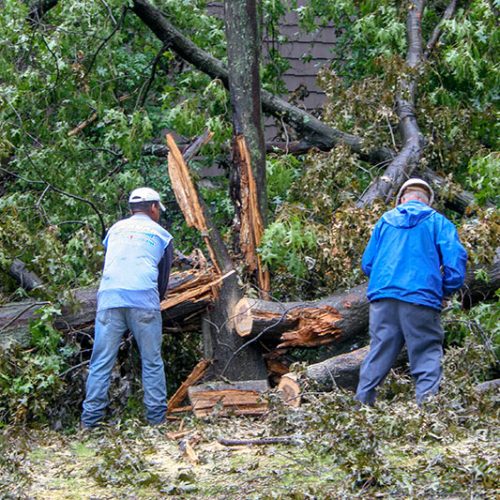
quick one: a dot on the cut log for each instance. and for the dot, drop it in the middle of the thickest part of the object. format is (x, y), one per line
(276, 369)
(290, 390)
(238, 398)
(202, 288)
(339, 371)
(198, 371)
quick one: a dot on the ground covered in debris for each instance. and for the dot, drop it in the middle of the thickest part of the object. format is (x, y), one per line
(447, 449)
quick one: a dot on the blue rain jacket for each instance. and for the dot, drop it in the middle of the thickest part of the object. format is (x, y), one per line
(414, 255)
(138, 250)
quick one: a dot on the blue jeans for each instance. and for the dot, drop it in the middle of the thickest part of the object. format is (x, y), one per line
(392, 324)
(110, 326)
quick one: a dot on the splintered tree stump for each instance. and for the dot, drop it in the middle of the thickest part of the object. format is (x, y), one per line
(220, 343)
(221, 398)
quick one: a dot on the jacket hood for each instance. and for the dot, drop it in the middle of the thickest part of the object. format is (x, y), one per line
(408, 214)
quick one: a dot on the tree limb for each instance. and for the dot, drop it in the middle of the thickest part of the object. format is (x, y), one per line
(26, 279)
(104, 42)
(407, 159)
(313, 129)
(143, 94)
(51, 187)
(436, 34)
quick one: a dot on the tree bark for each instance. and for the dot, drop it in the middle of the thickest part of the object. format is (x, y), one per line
(243, 55)
(39, 9)
(341, 371)
(26, 279)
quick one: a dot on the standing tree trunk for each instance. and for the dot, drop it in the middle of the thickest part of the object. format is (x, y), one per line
(243, 53)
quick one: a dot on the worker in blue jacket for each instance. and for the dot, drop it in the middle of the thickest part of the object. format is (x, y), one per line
(414, 259)
(139, 254)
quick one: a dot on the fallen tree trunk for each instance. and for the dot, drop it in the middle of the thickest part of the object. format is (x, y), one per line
(402, 166)
(406, 160)
(189, 293)
(341, 371)
(341, 319)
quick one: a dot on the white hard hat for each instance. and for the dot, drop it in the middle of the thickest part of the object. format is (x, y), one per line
(418, 183)
(140, 195)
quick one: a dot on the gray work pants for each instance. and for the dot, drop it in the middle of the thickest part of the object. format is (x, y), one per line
(392, 324)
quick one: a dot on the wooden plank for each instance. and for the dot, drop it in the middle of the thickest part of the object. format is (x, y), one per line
(226, 398)
(242, 385)
(239, 398)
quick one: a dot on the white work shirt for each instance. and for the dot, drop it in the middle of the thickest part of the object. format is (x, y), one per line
(134, 248)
